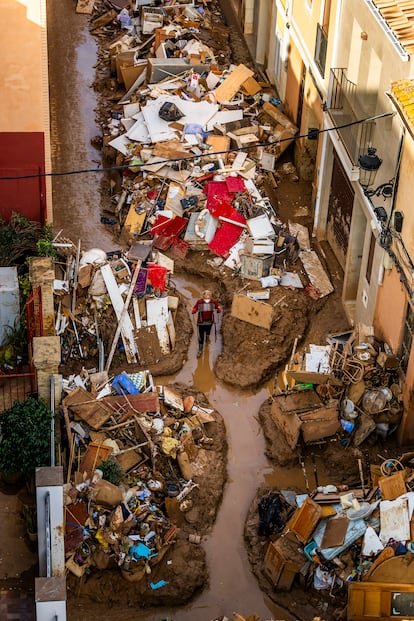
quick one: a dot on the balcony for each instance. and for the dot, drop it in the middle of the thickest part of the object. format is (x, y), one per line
(345, 106)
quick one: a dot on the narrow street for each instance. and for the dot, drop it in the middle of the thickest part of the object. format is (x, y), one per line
(77, 201)
(77, 211)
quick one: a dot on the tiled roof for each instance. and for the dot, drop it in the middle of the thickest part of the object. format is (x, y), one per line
(399, 16)
(403, 94)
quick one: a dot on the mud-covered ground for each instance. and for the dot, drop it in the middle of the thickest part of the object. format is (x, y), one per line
(249, 356)
(182, 564)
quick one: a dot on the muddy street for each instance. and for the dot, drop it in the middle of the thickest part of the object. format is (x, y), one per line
(76, 197)
(77, 210)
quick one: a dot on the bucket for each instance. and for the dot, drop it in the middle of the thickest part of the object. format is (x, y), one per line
(347, 425)
(348, 409)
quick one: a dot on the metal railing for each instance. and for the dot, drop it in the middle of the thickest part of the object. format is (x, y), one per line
(16, 387)
(344, 107)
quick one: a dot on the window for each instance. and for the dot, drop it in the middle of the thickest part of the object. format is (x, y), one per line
(278, 59)
(407, 338)
(320, 49)
(368, 273)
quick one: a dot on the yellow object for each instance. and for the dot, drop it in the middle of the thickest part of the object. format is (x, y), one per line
(100, 538)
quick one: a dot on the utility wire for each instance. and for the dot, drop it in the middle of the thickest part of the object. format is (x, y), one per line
(192, 157)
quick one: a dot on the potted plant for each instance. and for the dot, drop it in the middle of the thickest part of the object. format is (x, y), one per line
(25, 437)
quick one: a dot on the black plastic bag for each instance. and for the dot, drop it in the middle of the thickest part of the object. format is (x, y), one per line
(170, 112)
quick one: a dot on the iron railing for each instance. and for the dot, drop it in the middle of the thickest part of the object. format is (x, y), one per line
(344, 107)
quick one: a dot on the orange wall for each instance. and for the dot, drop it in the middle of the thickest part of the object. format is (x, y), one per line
(388, 326)
(390, 309)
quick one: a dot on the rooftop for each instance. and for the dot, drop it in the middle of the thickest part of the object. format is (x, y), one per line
(402, 93)
(399, 17)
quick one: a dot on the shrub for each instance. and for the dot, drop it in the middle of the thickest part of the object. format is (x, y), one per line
(25, 436)
(111, 471)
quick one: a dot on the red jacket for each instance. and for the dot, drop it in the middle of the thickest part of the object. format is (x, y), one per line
(205, 311)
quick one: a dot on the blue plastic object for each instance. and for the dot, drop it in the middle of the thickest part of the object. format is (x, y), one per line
(122, 384)
(308, 549)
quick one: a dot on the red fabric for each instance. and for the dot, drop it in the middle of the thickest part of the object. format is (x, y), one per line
(227, 235)
(174, 227)
(160, 225)
(218, 198)
(235, 184)
(157, 275)
(180, 247)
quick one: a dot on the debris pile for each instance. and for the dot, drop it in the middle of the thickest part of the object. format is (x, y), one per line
(93, 293)
(337, 537)
(349, 388)
(139, 459)
(197, 139)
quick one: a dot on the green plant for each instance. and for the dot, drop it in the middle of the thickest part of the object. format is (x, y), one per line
(44, 245)
(25, 436)
(111, 471)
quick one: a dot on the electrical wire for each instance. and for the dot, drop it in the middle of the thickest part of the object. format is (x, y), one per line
(192, 157)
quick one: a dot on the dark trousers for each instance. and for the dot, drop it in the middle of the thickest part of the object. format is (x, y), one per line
(204, 330)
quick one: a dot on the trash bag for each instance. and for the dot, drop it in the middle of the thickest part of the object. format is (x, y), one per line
(272, 515)
(170, 112)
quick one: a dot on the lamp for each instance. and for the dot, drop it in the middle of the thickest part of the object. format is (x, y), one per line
(368, 165)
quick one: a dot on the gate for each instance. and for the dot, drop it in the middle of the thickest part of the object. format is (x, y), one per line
(20, 383)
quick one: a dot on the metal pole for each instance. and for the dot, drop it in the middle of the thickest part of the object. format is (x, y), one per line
(48, 537)
(52, 422)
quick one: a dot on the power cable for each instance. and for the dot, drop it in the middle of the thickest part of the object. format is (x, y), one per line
(192, 157)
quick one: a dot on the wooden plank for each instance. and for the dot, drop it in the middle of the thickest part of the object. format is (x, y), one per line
(141, 402)
(227, 89)
(251, 87)
(219, 144)
(304, 520)
(288, 424)
(316, 274)
(255, 312)
(134, 221)
(103, 20)
(127, 329)
(148, 345)
(95, 454)
(393, 486)
(157, 315)
(86, 408)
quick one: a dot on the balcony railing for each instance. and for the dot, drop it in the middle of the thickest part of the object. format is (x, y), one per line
(344, 107)
(320, 49)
